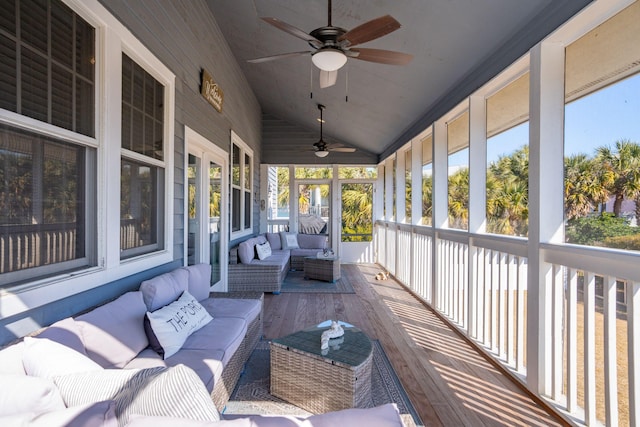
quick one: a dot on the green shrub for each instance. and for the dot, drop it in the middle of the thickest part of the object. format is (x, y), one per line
(593, 230)
(631, 243)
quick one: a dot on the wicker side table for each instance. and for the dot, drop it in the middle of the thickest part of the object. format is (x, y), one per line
(338, 379)
(327, 269)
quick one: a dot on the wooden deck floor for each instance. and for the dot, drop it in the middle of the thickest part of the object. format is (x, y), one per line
(448, 381)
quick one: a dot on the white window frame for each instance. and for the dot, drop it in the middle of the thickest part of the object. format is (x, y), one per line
(112, 40)
(244, 150)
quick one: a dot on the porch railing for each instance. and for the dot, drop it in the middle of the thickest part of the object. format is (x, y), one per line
(479, 282)
(28, 246)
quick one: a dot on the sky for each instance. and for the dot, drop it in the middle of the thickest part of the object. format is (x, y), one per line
(601, 118)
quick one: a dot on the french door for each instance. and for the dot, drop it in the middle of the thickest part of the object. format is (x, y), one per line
(206, 207)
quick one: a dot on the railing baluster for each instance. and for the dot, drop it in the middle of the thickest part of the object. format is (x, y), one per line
(502, 281)
(521, 286)
(610, 370)
(633, 349)
(572, 340)
(557, 341)
(511, 319)
(589, 297)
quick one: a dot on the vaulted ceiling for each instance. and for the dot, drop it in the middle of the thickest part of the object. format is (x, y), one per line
(457, 45)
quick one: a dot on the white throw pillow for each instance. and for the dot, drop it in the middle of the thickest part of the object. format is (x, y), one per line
(264, 250)
(289, 240)
(173, 324)
(23, 393)
(47, 359)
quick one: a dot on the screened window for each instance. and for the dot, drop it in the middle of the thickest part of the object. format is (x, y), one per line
(407, 186)
(142, 202)
(241, 186)
(427, 181)
(458, 172)
(47, 185)
(602, 134)
(507, 185)
(47, 68)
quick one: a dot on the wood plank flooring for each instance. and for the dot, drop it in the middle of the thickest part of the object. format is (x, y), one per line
(448, 381)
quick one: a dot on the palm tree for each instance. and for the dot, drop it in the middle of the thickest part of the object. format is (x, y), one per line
(458, 190)
(507, 190)
(427, 200)
(584, 186)
(621, 166)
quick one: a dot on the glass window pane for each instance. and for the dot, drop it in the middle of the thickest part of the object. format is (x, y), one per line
(141, 208)
(247, 172)
(142, 132)
(61, 97)
(8, 17)
(215, 198)
(458, 172)
(278, 185)
(85, 45)
(247, 210)
(357, 172)
(34, 24)
(85, 100)
(8, 81)
(314, 173)
(56, 81)
(34, 85)
(62, 34)
(235, 165)
(235, 209)
(42, 199)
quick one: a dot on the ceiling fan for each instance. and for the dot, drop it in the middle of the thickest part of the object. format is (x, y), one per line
(333, 45)
(322, 148)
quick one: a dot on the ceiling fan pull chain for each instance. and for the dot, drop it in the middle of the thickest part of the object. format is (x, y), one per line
(346, 85)
(311, 80)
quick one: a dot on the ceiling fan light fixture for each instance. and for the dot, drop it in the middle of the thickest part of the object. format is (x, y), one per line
(329, 59)
(322, 153)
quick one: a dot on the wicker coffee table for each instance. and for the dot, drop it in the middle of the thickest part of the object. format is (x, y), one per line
(327, 380)
(322, 268)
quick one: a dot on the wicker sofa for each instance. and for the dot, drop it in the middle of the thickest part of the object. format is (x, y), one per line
(249, 273)
(114, 335)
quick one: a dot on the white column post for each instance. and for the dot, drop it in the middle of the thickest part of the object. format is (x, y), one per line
(440, 201)
(477, 197)
(546, 203)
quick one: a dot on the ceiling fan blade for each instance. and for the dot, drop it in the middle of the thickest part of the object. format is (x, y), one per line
(328, 78)
(382, 56)
(342, 149)
(294, 31)
(279, 56)
(370, 30)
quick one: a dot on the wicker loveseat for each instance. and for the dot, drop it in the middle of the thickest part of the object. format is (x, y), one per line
(249, 273)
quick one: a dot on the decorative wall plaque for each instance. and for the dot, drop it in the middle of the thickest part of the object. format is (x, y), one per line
(211, 91)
